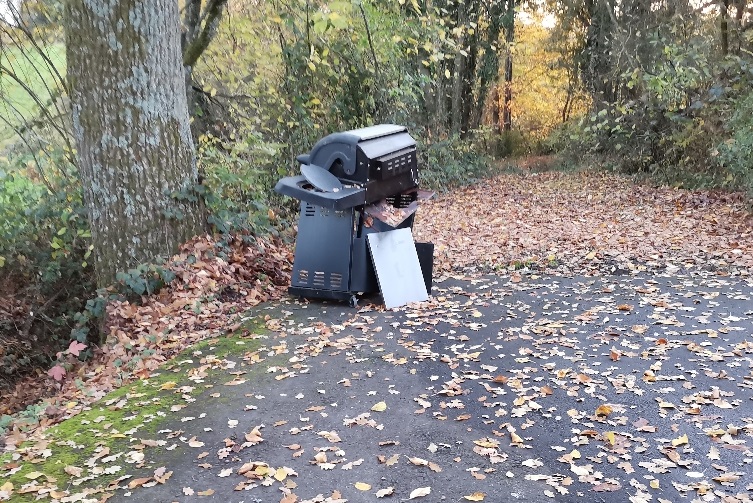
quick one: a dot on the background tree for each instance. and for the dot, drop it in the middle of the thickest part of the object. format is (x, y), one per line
(131, 128)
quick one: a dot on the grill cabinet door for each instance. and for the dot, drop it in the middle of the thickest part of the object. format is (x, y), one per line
(322, 248)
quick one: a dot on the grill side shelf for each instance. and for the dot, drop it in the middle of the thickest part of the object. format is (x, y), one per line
(298, 188)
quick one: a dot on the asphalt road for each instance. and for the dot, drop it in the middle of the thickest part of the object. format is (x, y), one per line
(612, 388)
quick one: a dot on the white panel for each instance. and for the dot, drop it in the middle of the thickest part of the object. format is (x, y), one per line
(397, 268)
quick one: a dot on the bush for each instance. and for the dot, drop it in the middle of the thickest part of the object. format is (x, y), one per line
(238, 179)
(736, 153)
(44, 248)
(451, 163)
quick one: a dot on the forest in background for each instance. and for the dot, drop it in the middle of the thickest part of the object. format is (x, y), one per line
(656, 88)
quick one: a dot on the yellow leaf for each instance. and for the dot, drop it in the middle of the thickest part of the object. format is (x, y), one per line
(280, 474)
(610, 437)
(488, 443)
(168, 385)
(379, 407)
(7, 487)
(34, 475)
(654, 484)
(680, 441)
(362, 486)
(208, 492)
(477, 496)
(603, 410)
(591, 255)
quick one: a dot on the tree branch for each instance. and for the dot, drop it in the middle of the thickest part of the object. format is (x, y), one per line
(371, 44)
(211, 18)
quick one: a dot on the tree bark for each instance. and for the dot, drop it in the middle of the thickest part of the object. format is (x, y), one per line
(509, 38)
(724, 11)
(459, 71)
(131, 127)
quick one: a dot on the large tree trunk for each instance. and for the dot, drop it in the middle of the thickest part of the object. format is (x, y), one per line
(130, 123)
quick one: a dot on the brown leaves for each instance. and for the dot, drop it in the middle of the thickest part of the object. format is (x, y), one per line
(527, 212)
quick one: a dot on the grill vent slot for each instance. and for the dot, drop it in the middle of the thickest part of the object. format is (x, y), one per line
(318, 278)
(310, 210)
(303, 276)
(335, 280)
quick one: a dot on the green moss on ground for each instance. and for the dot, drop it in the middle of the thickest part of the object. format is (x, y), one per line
(121, 420)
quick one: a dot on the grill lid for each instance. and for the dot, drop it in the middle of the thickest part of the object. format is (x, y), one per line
(321, 178)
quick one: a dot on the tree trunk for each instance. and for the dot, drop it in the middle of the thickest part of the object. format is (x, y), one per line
(459, 71)
(470, 73)
(130, 124)
(509, 38)
(724, 11)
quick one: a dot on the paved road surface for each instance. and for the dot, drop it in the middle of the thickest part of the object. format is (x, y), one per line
(615, 388)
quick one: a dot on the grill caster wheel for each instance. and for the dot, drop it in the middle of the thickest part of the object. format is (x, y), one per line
(353, 301)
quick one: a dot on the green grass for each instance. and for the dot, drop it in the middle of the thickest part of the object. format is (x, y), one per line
(17, 103)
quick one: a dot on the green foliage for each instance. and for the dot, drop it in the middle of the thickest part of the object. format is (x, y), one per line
(451, 163)
(44, 252)
(144, 279)
(667, 102)
(736, 153)
(237, 188)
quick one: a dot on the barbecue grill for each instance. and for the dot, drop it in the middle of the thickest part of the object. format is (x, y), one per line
(352, 184)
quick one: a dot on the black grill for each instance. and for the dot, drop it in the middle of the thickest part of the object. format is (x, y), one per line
(355, 183)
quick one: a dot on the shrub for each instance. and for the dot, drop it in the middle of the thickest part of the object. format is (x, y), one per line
(44, 248)
(451, 163)
(736, 153)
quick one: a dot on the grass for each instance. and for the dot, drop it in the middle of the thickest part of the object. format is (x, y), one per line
(37, 80)
(111, 425)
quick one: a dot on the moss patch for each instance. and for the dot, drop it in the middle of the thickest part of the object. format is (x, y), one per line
(118, 434)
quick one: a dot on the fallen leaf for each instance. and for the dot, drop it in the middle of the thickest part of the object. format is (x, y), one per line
(73, 471)
(57, 372)
(76, 347)
(138, 482)
(379, 407)
(387, 491)
(419, 493)
(362, 486)
(603, 410)
(605, 486)
(680, 440)
(477, 496)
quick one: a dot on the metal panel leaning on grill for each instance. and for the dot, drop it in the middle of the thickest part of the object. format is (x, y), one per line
(353, 184)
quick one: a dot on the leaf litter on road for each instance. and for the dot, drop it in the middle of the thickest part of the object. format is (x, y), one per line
(633, 375)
